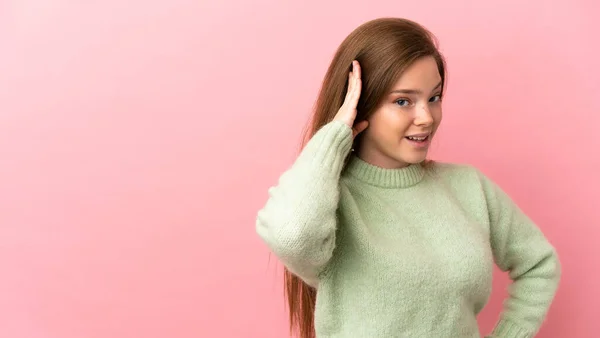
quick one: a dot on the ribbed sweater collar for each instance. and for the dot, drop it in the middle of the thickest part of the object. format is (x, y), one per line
(385, 178)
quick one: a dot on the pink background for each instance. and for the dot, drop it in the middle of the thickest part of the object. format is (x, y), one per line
(138, 140)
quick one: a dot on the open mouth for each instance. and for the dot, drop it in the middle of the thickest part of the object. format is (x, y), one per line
(419, 139)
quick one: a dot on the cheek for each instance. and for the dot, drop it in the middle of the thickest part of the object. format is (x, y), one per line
(396, 120)
(390, 125)
(390, 132)
(437, 117)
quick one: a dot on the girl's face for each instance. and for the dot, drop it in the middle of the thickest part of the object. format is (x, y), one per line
(401, 129)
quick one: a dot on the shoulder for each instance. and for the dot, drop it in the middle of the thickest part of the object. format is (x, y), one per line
(464, 177)
(461, 176)
(466, 182)
(453, 171)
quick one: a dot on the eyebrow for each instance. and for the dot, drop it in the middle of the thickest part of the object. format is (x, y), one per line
(413, 91)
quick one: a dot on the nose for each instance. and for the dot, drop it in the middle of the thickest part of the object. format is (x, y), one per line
(423, 116)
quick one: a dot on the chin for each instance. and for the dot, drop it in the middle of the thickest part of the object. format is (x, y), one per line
(412, 157)
(417, 160)
(408, 160)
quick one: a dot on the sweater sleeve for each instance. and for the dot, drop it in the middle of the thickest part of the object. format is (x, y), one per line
(521, 249)
(298, 221)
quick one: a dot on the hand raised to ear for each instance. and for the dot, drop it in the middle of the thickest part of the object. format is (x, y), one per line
(347, 112)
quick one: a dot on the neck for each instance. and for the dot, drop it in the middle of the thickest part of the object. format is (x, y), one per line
(379, 160)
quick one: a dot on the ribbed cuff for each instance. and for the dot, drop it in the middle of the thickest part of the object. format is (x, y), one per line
(508, 329)
(328, 148)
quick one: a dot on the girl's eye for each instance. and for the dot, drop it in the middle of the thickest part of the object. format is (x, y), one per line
(435, 98)
(402, 102)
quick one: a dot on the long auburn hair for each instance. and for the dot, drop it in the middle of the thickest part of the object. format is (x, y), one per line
(384, 47)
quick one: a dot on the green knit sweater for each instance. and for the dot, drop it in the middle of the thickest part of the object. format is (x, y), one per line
(404, 252)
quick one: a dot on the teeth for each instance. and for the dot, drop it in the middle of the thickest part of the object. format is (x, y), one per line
(417, 138)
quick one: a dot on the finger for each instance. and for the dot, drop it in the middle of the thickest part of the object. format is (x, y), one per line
(350, 87)
(356, 72)
(357, 69)
(355, 93)
(357, 82)
(352, 78)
